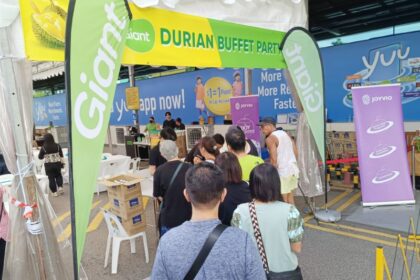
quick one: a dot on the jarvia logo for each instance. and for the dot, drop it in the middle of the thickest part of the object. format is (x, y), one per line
(238, 106)
(141, 36)
(366, 99)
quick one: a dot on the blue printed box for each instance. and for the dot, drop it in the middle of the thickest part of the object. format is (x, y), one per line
(134, 224)
(126, 208)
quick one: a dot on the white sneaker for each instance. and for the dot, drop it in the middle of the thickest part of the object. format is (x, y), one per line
(54, 194)
(60, 190)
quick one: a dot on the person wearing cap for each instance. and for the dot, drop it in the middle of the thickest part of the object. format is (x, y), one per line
(179, 125)
(282, 156)
(169, 122)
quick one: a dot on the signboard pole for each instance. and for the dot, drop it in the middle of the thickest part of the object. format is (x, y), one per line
(132, 80)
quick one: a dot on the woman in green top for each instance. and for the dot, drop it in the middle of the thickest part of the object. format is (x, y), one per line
(152, 127)
(280, 223)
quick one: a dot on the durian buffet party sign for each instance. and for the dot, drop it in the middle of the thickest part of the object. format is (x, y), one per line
(159, 37)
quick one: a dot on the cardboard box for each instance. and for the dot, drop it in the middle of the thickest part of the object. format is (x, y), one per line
(134, 224)
(181, 143)
(124, 187)
(125, 208)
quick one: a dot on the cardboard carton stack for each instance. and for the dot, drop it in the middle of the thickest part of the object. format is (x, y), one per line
(125, 197)
(343, 144)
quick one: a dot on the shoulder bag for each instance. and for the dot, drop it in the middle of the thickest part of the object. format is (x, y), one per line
(205, 251)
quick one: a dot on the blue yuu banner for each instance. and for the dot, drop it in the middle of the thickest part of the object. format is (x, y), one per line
(387, 60)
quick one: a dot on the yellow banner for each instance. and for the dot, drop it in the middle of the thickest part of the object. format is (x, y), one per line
(159, 37)
(44, 28)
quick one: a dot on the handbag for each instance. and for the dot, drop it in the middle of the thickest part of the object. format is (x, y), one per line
(290, 275)
(62, 162)
(205, 251)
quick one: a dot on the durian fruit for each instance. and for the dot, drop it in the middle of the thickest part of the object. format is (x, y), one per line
(60, 7)
(50, 29)
(40, 6)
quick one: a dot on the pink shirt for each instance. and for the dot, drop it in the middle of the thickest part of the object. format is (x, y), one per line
(237, 88)
(4, 223)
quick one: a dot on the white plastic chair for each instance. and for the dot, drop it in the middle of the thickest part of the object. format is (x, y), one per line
(116, 234)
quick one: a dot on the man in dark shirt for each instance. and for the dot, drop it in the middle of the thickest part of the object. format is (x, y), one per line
(179, 125)
(169, 122)
(156, 158)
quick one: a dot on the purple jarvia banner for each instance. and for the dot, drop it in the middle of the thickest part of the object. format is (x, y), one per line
(245, 114)
(381, 145)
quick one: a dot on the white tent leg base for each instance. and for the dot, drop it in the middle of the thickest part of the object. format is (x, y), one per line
(328, 216)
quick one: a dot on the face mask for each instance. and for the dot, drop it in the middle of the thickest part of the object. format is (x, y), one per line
(150, 121)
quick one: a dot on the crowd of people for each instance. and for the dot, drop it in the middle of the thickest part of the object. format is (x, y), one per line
(224, 212)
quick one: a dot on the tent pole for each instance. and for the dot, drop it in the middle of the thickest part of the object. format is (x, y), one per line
(18, 130)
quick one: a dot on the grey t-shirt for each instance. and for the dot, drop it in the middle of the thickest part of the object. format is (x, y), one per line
(234, 256)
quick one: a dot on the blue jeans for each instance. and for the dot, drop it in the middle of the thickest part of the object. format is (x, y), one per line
(163, 230)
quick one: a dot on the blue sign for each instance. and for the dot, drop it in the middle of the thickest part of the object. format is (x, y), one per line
(50, 109)
(176, 94)
(274, 94)
(387, 60)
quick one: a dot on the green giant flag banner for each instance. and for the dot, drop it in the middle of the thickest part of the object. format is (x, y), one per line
(303, 60)
(95, 39)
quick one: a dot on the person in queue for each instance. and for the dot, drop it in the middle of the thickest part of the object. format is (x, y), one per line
(179, 125)
(236, 142)
(208, 150)
(156, 158)
(168, 188)
(280, 223)
(168, 122)
(233, 255)
(220, 141)
(195, 151)
(282, 157)
(237, 190)
(52, 155)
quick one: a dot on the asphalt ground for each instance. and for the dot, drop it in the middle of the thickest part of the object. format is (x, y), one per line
(330, 251)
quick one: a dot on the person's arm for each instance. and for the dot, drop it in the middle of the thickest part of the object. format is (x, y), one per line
(272, 149)
(157, 191)
(153, 162)
(145, 130)
(152, 169)
(60, 151)
(295, 229)
(41, 153)
(254, 267)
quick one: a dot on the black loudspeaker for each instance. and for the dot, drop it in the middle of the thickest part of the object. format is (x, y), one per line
(129, 146)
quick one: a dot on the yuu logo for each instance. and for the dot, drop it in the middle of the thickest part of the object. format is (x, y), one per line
(141, 36)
